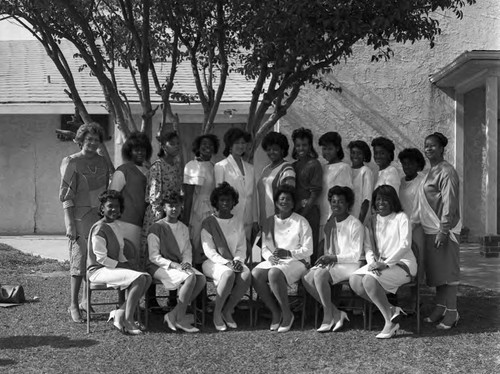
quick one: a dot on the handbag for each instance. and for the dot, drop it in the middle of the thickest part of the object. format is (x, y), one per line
(12, 294)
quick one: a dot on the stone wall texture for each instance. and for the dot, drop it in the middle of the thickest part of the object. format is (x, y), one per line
(396, 99)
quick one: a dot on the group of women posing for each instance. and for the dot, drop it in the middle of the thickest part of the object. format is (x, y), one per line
(181, 225)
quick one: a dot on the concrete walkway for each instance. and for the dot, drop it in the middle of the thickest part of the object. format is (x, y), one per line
(476, 270)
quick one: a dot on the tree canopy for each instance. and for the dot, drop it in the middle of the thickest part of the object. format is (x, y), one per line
(281, 45)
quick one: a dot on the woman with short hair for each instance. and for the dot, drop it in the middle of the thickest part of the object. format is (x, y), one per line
(199, 182)
(362, 178)
(108, 263)
(130, 179)
(383, 154)
(224, 245)
(286, 247)
(390, 260)
(438, 212)
(343, 248)
(277, 173)
(309, 181)
(239, 174)
(84, 175)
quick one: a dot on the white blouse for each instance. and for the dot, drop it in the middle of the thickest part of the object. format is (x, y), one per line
(408, 192)
(181, 235)
(350, 235)
(362, 183)
(235, 237)
(100, 247)
(337, 174)
(293, 234)
(393, 238)
(389, 176)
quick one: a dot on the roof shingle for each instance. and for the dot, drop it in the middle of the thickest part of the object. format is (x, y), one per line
(28, 75)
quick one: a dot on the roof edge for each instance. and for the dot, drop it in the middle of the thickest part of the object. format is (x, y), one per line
(461, 60)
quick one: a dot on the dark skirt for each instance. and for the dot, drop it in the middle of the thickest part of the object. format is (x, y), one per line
(442, 266)
(313, 219)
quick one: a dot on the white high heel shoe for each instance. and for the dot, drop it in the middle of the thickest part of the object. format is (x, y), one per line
(340, 323)
(396, 316)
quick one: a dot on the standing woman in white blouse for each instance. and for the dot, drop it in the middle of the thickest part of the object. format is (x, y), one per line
(383, 154)
(224, 244)
(240, 175)
(362, 178)
(287, 246)
(199, 182)
(343, 247)
(390, 260)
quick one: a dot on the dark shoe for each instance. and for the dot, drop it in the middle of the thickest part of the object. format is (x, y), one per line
(437, 314)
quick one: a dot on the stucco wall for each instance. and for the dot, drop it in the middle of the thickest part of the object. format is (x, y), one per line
(30, 157)
(395, 98)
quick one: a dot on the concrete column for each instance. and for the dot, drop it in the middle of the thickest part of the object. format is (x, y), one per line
(460, 145)
(491, 153)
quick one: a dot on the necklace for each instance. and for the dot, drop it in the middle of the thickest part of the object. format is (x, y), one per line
(94, 171)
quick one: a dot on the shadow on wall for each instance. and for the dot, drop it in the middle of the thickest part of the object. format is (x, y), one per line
(349, 114)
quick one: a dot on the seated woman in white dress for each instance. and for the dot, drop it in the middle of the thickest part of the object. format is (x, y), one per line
(390, 260)
(224, 243)
(107, 261)
(343, 247)
(170, 261)
(287, 245)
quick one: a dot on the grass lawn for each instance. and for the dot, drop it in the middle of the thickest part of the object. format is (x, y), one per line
(38, 337)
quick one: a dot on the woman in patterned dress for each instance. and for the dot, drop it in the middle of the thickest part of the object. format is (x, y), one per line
(279, 172)
(84, 175)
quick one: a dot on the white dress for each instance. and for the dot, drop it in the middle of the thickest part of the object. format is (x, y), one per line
(109, 274)
(295, 235)
(408, 193)
(388, 176)
(338, 174)
(349, 241)
(228, 171)
(362, 182)
(393, 239)
(201, 175)
(171, 278)
(233, 232)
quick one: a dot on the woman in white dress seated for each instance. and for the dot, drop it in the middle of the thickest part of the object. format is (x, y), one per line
(287, 245)
(108, 264)
(343, 247)
(390, 260)
(224, 243)
(170, 261)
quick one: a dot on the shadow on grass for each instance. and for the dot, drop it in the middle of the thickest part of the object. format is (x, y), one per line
(55, 341)
(7, 362)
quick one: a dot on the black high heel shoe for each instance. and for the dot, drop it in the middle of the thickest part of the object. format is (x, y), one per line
(436, 315)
